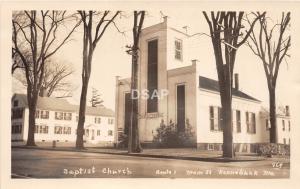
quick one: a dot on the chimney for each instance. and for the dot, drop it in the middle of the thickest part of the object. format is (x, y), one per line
(185, 29)
(236, 81)
(165, 19)
(287, 110)
(194, 61)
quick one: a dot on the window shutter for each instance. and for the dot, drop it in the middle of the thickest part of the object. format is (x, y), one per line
(211, 117)
(233, 120)
(247, 121)
(254, 123)
(238, 121)
(220, 125)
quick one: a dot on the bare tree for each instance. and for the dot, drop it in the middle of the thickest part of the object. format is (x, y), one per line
(16, 61)
(225, 31)
(35, 39)
(101, 20)
(134, 144)
(56, 80)
(271, 45)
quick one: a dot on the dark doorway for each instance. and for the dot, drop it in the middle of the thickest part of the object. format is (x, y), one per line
(181, 108)
(93, 134)
(127, 112)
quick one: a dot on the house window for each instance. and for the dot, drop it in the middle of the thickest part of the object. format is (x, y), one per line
(59, 115)
(36, 129)
(178, 49)
(16, 103)
(215, 118)
(283, 125)
(37, 114)
(68, 116)
(210, 147)
(44, 114)
(63, 116)
(77, 118)
(98, 120)
(16, 129)
(238, 121)
(152, 76)
(17, 113)
(289, 125)
(87, 132)
(58, 130)
(98, 132)
(43, 129)
(110, 121)
(67, 130)
(110, 133)
(251, 122)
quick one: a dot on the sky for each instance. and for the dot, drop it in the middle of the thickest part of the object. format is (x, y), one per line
(110, 59)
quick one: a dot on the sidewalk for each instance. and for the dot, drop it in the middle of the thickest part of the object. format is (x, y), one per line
(168, 153)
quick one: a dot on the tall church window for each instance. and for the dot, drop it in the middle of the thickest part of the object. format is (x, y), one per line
(152, 78)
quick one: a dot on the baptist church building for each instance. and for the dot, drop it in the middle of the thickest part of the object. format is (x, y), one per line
(168, 60)
(56, 120)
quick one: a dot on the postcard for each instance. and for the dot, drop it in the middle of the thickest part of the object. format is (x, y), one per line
(149, 94)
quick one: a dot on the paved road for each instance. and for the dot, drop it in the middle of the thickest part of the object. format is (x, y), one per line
(30, 163)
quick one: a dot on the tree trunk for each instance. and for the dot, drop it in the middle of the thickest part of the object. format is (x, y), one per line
(134, 142)
(43, 92)
(226, 121)
(31, 125)
(272, 107)
(81, 117)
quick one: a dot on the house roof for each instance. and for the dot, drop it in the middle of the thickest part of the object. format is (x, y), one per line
(213, 85)
(58, 104)
(280, 112)
(103, 111)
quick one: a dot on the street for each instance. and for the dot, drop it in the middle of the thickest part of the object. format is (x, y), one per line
(32, 163)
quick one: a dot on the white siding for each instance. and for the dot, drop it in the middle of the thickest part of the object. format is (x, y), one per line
(204, 135)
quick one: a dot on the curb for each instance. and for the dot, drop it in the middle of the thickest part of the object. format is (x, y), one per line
(209, 159)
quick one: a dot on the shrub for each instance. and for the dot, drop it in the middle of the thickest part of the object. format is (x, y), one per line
(270, 149)
(123, 140)
(168, 136)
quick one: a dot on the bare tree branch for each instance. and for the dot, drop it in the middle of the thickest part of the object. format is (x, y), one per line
(225, 31)
(31, 33)
(89, 44)
(276, 50)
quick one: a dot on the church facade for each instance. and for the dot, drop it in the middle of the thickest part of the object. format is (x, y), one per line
(172, 90)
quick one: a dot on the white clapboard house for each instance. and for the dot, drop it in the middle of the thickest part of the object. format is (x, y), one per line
(56, 120)
(166, 62)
